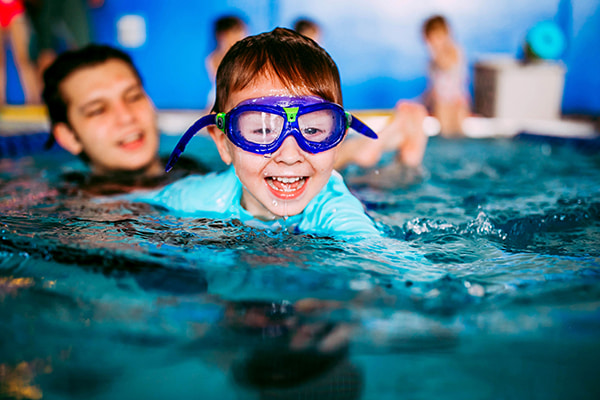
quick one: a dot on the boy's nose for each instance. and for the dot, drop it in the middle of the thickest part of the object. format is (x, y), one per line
(289, 152)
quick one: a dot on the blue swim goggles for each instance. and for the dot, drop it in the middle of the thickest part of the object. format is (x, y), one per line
(261, 125)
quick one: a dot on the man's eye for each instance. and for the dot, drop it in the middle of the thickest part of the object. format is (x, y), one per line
(95, 111)
(133, 97)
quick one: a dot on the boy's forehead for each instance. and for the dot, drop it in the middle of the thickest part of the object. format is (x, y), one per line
(283, 101)
(265, 86)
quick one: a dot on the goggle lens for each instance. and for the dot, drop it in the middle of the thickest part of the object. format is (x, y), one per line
(321, 126)
(258, 127)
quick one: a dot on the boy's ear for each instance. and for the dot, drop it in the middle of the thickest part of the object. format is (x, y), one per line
(66, 138)
(220, 140)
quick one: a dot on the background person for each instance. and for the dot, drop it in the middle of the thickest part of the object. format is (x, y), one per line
(58, 25)
(447, 94)
(227, 31)
(13, 23)
(308, 28)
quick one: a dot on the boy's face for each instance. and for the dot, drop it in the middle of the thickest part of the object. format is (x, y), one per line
(111, 119)
(282, 183)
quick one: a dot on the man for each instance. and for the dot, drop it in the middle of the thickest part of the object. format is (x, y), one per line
(100, 112)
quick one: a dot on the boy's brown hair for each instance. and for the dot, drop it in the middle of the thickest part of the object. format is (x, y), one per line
(433, 24)
(283, 54)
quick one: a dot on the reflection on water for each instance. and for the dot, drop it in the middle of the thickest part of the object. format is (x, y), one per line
(487, 285)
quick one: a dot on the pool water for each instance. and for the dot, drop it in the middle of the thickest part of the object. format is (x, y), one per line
(486, 286)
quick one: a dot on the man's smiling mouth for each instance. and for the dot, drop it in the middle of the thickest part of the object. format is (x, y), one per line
(132, 139)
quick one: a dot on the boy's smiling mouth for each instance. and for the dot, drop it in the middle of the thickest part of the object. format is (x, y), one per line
(286, 187)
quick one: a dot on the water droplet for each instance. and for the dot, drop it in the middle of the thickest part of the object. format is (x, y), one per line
(267, 155)
(275, 203)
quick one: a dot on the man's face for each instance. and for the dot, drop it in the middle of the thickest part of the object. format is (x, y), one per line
(111, 119)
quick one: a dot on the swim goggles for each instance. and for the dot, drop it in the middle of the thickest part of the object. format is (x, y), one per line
(261, 125)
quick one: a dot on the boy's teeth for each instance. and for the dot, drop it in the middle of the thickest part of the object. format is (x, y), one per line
(286, 184)
(286, 180)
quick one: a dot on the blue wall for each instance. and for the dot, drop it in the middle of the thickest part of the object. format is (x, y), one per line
(377, 44)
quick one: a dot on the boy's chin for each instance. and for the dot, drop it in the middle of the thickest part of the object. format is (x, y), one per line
(279, 210)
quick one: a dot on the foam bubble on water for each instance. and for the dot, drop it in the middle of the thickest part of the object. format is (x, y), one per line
(475, 289)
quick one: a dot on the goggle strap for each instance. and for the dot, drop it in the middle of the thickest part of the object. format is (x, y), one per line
(360, 127)
(187, 136)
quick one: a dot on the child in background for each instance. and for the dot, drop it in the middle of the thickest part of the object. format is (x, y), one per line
(278, 122)
(14, 23)
(448, 96)
(227, 30)
(308, 28)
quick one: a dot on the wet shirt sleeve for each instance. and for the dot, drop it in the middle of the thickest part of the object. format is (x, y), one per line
(336, 212)
(209, 194)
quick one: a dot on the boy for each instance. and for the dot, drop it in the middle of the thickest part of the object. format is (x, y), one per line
(100, 112)
(278, 123)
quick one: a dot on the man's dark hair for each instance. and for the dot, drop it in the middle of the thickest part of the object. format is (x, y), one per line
(70, 62)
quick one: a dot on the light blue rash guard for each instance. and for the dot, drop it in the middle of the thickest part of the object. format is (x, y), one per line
(334, 211)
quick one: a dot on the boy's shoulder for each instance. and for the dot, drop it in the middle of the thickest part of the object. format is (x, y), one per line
(213, 192)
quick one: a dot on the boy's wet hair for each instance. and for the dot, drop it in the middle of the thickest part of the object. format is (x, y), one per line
(298, 62)
(70, 62)
(434, 23)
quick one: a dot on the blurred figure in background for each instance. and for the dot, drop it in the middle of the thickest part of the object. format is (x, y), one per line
(308, 28)
(227, 31)
(58, 25)
(447, 95)
(13, 23)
